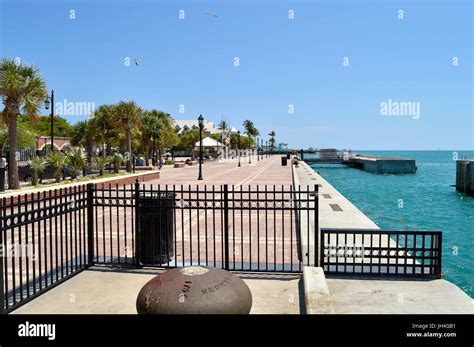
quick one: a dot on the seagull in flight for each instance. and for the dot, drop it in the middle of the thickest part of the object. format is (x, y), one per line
(137, 61)
(211, 14)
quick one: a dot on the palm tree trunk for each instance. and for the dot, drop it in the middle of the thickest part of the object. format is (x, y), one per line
(13, 181)
(129, 149)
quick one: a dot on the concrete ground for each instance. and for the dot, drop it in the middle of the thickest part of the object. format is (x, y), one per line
(382, 296)
(259, 172)
(106, 290)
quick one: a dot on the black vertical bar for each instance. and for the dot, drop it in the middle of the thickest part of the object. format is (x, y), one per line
(182, 226)
(190, 225)
(90, 223)
(61, 228)
(3, 303)
(205, 222)
(226, 226)
(316, 225)
(56, 232)
(124, 198)
(258, 230)
(274, 228)
(439, 254)
(198, 224)
(250, 228)
(266, 227)
(117, 212)
(137, 223)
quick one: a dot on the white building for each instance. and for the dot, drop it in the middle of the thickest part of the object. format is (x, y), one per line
(193, 123)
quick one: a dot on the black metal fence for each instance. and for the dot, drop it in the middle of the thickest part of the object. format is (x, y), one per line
(49, 236)
(236, 228)
(44, 239)
(381, 252)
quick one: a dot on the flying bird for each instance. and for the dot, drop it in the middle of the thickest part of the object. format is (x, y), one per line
(137, 61)
(211, 14)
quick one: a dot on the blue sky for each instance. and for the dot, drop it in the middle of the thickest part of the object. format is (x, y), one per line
(283, 62)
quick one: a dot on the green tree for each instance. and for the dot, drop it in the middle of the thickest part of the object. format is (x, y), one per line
(22, 87)
(84, 135)
(188, 139)
(272, 139)
(103, 124)
(126, 115)
(41, 125)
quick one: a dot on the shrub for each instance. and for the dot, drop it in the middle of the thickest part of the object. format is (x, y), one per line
(117, 159)
(76, 158)
(37, 165)
(101, 162)
(58, 161)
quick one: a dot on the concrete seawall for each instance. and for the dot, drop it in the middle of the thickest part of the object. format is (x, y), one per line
(354, 294)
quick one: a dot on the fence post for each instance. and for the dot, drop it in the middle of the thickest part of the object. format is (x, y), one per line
(90, 222)
(137, 223)
(317, 232)
(226, 226)
(3, 254)
(440, 255)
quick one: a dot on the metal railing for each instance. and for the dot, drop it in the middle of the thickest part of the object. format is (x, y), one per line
(236, 228)
(49, 236)
(381, 252)
(44, 241)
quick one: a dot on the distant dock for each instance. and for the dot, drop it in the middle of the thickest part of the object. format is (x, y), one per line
(465, 176)
(374, 164)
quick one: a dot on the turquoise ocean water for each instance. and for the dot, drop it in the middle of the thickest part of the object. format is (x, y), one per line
(424, 201)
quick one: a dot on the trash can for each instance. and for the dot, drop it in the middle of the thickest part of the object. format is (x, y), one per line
(283, 161)
(3, 165)
(155, 213)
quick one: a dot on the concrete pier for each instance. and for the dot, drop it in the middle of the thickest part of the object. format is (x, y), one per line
(352, 294)
(374, 164)
(465, 176)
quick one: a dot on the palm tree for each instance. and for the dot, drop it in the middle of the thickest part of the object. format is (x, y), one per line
(272, 139)
(126, 115)
(84, 135)
(58, 161)
(117, 159)
(76, 159)
(101, 162)
(22, 87)
(37, 165)
(158, 131)
(103, 125)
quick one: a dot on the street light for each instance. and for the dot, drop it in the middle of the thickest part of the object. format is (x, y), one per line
(201, 126)
(261, 152)
(238, 147)
(50, 102)
(266, 149)
(258, 154)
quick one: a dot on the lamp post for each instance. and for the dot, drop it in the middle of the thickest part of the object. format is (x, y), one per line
(50, 101)
(258, 153)
(238, 146)
(250, 149)
(261, 152)
(201, 126)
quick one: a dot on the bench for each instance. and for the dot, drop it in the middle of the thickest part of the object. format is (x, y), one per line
(178, 165)
(192, 162)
